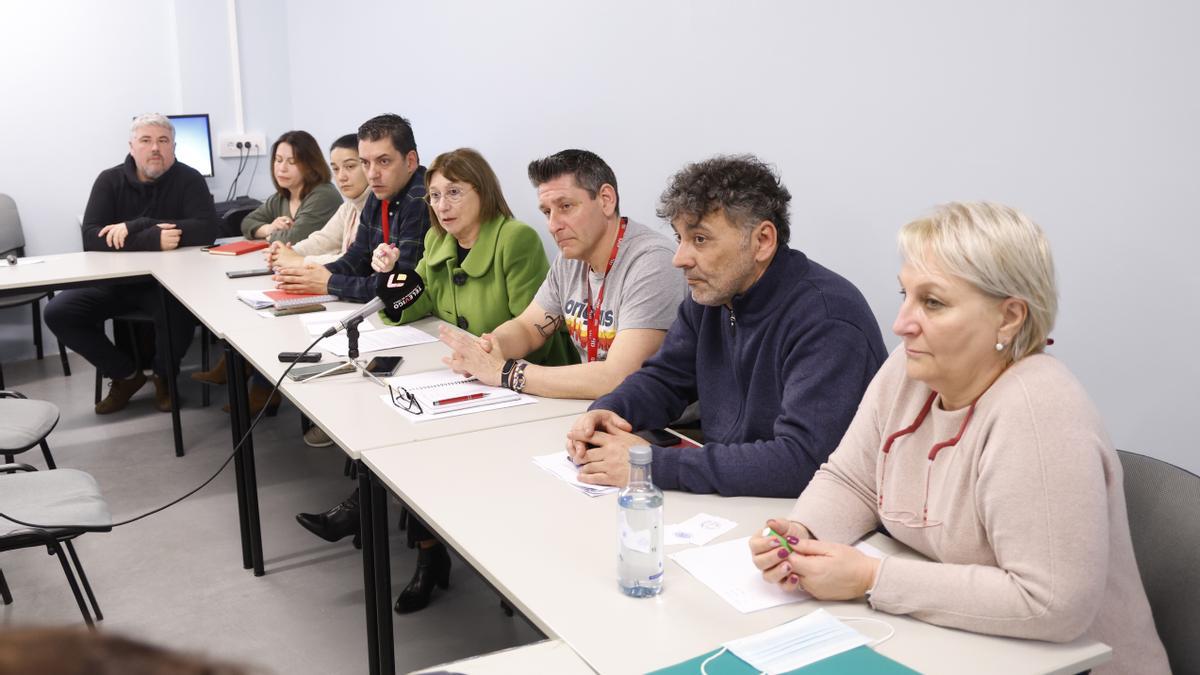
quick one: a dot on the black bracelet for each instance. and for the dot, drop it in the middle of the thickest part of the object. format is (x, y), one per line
(506, 373)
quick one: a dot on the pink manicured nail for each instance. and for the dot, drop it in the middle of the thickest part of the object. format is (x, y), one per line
(794, 579)
(783, 553)
(793, 540)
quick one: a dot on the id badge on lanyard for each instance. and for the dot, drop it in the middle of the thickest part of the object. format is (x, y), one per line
(593, 313)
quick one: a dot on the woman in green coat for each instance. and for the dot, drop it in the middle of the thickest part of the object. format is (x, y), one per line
(481, 268)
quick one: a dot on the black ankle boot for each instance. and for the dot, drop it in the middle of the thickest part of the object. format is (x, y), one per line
(433, 568)
(337, 523)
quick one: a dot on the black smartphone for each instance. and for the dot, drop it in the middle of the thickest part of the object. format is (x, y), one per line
(256, 272)
(297, 357)
(382, 366)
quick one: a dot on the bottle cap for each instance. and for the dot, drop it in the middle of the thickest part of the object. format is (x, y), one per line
(640, 454)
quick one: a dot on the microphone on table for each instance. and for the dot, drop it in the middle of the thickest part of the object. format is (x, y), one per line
(394, 291)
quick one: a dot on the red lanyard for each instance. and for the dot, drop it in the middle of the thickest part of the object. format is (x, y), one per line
(593, 314)
(387, 225)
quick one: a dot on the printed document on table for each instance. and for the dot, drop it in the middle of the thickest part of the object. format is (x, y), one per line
(726, 568)
(560, 464)
(319, 322)
(377, 340)
(462, 395)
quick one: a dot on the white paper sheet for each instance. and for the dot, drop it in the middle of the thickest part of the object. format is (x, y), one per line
(726, 568)
(377, 340)
(24, 261)
(699, 530)
(560, 464)
(523, 399)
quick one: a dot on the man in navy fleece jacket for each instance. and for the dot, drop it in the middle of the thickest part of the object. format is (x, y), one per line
(777, 349)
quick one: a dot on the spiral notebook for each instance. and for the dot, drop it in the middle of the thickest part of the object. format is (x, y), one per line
(444, 393)
(283, 299)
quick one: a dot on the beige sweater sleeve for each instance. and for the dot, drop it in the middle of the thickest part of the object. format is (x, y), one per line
(325, 245)
(1041, 495)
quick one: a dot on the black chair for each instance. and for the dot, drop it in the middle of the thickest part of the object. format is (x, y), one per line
(1163, 502)
(65, 497)
(12, 242)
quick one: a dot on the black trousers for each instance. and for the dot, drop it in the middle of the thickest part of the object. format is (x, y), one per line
(77, 317)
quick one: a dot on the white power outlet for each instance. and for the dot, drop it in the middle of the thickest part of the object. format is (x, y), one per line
(227, 144)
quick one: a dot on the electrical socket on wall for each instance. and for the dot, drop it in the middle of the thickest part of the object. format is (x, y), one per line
(252, 144)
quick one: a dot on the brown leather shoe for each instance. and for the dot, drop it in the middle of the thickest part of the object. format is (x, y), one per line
(119, 393)
(162, 394)
(214, 375)
(257, 399)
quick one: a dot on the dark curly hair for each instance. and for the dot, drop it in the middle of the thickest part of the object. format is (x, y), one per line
(743, 186)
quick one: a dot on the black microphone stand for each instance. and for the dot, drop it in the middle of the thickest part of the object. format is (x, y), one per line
(351, 359)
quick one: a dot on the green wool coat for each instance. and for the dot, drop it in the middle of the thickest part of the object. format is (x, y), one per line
(501, 274)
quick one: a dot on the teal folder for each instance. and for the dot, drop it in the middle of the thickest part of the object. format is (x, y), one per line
(857, 661)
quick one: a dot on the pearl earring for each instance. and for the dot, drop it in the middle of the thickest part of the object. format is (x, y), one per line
(999, 346)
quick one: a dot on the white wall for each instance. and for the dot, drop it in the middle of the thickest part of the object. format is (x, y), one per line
(1083, 115)
(70, 88)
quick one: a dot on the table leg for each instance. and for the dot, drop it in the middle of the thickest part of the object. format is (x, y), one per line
(236, 426)
(382, 569)
(366, 532)
(383, 573)
(172, 385)
(241, 404)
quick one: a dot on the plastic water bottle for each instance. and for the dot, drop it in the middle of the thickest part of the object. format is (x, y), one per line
(640, 529)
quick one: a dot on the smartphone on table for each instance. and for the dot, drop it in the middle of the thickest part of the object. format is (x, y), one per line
(383, 366)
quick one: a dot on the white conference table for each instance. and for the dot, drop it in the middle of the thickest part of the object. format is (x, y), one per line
(97, 268)
(551, 551)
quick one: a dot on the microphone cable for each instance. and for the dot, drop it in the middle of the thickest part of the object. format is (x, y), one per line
(237, 448)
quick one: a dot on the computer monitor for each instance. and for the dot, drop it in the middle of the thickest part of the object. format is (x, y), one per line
(193, 142)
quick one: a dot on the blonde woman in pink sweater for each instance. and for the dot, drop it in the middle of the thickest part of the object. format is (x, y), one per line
(982, 453)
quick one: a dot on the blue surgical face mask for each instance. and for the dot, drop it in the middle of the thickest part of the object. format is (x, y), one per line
(797, 643)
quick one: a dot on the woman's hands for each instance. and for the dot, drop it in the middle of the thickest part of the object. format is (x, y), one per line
(824, 570)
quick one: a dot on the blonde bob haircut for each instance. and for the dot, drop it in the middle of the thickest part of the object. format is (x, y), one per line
(996, 249)
(466, 165)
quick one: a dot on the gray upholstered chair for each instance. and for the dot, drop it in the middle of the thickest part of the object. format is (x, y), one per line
(12, 240)
(1164, 520)
(58, 506)
(25, 423)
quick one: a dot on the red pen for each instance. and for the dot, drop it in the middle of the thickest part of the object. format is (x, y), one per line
(460, 399)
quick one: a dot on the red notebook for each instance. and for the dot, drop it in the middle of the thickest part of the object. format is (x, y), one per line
(284, 299)
(238, 247)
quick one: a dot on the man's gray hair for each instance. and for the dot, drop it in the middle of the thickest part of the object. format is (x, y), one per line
(150, 120)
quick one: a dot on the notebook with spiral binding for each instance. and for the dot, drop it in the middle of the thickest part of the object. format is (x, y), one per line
(283, 299)
(444, 391)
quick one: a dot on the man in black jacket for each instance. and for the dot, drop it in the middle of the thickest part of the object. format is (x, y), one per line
(150, 202)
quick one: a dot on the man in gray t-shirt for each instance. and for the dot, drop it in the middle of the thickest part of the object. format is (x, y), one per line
(612, 288)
